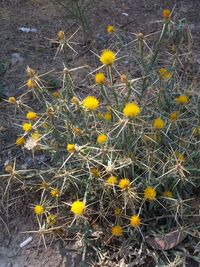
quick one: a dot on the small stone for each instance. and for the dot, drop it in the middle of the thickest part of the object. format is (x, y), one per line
(16, 58)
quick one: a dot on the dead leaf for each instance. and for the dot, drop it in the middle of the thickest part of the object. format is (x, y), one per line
(168, 241)
(31, 143)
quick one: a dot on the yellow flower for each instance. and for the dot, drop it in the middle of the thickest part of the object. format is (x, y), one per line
(107, 57)
(71, 148)
(55, 192)
(90, 103)
(180, 157)
(56, 94)
(45, 125)
(78, 207)
(117, 211)
(112, 180)
(131, 110)
(158, 124)
(124, 184)
(196, 131)
(27, 127)
(38, 209)
(117, 230)
(30, 72)
(35, 135)
(124, 78)
(167, 194)
(101, 139)
(164, 74)
(182, 99)
(61, 35)
(166, 13)
(12, 100)
(100, 78)
(95, 172)
(31, 115)
(75, 101)
(77, 131)
(31, 84)
(150, 193)
(107, 116)
(45, 185)
(51, 219)
(20, 141)
(110, 29)
(9, 168)
(173, 116)
(135, 221)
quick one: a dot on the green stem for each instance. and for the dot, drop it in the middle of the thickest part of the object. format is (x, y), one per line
(112, 84)
(154, 57)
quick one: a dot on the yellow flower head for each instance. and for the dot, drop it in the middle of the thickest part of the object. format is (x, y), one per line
(20, 141)
(12, 100)
(124, 184)
(167, 194)
(166, 13)
(77, 131)
(135, 221)
(124, 78)
(131, 110)
(55, 192)
(61, 35)
(71, 148)
(95, 172)
(101, 139)
(35, 135)
(158, 124)
(75, 101)
(107, 57)
(38, 209)
(107, 116)
(100, 78)
(31, 115)
(150, 193)
(117, 230)
(164, 74)
(27, 127)
(196, 131)
(56, 94)
(180, 156)
(182, 99)
(31, 84)
(51, 219)
(110, 29)
(30, 72)
(117, 211)
(112, 180)
(9, 168)
(78, 207)
(90, 103)
(173, 116)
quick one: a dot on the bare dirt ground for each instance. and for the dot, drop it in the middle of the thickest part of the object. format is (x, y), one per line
(19, 49)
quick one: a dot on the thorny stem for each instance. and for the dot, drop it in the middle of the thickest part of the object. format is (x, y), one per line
(153, 59)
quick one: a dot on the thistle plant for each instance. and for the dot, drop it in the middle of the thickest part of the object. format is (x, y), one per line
(124, 158)
(77, 10)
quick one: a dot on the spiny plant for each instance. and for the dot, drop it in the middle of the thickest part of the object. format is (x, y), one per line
(78, 11)
(124, 159)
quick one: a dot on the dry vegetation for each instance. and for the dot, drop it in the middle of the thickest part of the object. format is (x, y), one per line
(122, 146)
